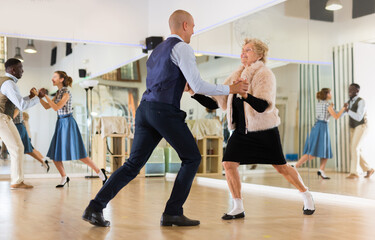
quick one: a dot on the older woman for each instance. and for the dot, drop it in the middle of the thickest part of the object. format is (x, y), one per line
(254, 119)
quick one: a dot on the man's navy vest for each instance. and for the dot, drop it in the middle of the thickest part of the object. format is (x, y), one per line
(165, 81)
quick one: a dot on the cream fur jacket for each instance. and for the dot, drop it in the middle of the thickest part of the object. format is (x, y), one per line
(262, 85)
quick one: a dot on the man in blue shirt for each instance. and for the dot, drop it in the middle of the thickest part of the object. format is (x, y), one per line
(169, 68)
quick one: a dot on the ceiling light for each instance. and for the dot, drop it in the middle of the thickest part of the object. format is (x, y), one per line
(30, 48)
(333, 5)
(18, 54)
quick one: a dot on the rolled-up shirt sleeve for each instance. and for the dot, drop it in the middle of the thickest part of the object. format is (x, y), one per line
(358, 116)
(183, 56)
(10, 89)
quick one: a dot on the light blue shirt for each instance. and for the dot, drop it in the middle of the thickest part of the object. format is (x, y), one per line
(11, 91)
(183, 56)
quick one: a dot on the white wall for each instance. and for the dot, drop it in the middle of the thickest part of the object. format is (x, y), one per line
(114, 21)
(207, 14)
(353, 30)
(289, 38)
(96, 59)
(84, 20)
(292, 38)
(287, 80)
(131, 21)
(364, 72)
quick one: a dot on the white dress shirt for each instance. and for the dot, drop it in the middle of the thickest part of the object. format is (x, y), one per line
(11, 91)
(358, 116)
(183, 56)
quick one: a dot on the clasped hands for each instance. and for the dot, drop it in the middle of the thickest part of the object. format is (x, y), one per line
(240, 86)
(346, 106)
(34, 92)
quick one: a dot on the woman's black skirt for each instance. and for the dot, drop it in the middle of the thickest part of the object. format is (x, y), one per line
(263, 147)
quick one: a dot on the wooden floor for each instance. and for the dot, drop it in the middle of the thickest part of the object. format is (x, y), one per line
(338, 184)
(32, 167)
(48, 213)
(263, 175)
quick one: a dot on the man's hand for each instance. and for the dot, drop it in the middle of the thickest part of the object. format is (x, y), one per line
(42, 92)
(33, 93)
(240, 86)
(188, 89)
(346, 106)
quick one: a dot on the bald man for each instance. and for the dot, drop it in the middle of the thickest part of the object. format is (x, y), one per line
(170, 67)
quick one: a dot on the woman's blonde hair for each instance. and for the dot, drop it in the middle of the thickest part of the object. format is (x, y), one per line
(260, 48)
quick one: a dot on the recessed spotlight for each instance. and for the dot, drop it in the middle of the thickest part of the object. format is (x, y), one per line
(333, 5)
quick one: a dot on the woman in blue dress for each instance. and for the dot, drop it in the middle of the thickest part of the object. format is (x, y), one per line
(67, 143)
(318, 144)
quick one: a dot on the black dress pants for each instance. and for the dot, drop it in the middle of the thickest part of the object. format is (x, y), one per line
(153, 122)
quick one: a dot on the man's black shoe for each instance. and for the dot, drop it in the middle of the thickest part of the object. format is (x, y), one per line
(95, 218)
(168, 220)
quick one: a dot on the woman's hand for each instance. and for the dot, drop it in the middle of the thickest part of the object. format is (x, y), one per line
(33, 93)
(244, 80)
(333, 113)
(42, 93)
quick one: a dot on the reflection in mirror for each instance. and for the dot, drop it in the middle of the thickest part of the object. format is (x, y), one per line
(84, 63)
(310, 49)
(114, 104)
(345, 41)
